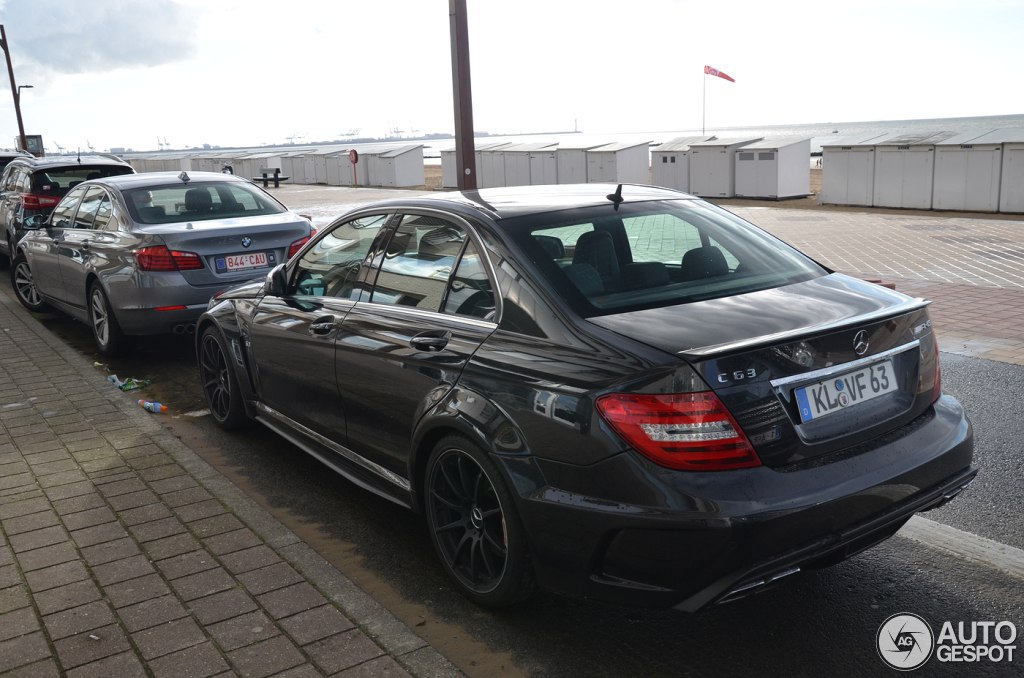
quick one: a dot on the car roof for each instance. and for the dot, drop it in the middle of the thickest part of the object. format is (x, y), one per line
(515, 201)
(144, 179)
(66, 160)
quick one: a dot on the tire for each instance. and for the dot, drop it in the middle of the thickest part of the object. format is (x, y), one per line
(110, 340)
(24, 285)
(220, 385)
(474, 525)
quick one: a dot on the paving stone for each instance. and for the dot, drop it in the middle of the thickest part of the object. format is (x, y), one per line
(124, 665)
(182, 497)
(65, 478)
(47, 556)
(151, 460)
(78, 619)
(23, 508)
(151, 612)
(110, 551)
(186, 564)
(136, 590)
(132, 500)
(168, 637)
(23, 650)
(301, 671)
(155, 473)
(13, 598)
(67, 596)
(144, 514)
(250, 559)
(98, 534)
(58, 466)
(381, 667)
(291, 600)
(109, 476)
(175, 484)
(197, 661)
(9, 576)
(44, 669)
(316, 624)
(17, 480)
(122, 487)
(88, 518)
(270, 578)
(56, 575)
(229, 542)
(6, 556)
(221, 606)
(203, 584)
(18, 623)
(88, 647)
(122, 570)
(67, 491)
(342, 651)
(243, 630)
(157, 529)
(33, 521)
(208, 527)
(266, 658)
(200, 510)
(171, 546)
(81, 503)
(37, 539)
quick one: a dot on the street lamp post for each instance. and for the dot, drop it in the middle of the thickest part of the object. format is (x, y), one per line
(15, 90)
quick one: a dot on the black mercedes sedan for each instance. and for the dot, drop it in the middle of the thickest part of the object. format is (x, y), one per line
(623, 393)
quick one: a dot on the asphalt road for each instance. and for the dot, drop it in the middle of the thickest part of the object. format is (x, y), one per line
(816, 623)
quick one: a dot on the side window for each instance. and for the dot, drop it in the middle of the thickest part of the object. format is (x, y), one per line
(65, 209)
(470, 292)
(86, 215)
(332, 267)
(418, 263)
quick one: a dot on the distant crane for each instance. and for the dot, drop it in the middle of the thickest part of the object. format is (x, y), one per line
(162, 144)
(60, 149)
(88, 144)
(293, 138)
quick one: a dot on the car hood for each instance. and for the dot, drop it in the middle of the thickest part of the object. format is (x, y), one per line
(702, 329)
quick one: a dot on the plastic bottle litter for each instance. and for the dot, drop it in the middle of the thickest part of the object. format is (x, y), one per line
(152, 406)
(133, 384)
(114, 380)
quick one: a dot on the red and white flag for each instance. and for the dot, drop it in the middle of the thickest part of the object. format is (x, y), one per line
(714, 71)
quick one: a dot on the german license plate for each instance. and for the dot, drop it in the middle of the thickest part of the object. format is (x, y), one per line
(835, 394)
(238, 262)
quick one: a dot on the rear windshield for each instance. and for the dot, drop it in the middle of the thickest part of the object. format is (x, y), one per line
(59, 180)
(202, 202)
(653, 254)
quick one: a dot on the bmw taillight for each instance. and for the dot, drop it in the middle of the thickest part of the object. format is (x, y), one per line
(683, 431)
(297, 245)
(35, 201)
(159, 258)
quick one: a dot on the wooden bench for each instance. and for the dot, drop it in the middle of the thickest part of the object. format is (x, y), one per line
(270, 174)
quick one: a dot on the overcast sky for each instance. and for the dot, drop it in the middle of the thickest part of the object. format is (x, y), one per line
(125, 73)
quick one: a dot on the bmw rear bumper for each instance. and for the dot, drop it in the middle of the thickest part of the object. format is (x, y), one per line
(711, 537)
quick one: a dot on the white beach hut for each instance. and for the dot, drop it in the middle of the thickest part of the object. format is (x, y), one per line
(713, 166)
(544, 166)
(967, 173)
(670, 163)
(449, 168)
(518, 163)
(775, 168)
(620, 162)
(249, 166)
(339, 169)
(905, 169)
(571, 160)
(490, 165)
(298, 166)
(1011, 175)
(848, 170)
(391, 166)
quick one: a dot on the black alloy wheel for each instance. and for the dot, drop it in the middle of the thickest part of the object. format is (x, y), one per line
(474, 527)
(220, 386)
(24, 285)
(106, 332)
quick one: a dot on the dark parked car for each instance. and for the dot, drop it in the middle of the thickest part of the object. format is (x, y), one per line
(31, 186)
(143, 253)
(632, 395)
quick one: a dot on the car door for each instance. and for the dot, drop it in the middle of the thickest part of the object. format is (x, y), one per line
(83, 245)
(292, 336)
(45, 247)
(432, 305)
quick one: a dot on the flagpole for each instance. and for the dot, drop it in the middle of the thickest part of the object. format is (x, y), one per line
(704, 105)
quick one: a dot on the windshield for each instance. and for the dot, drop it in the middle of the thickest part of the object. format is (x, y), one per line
(202, 202)
(58, 181)
(651, 254)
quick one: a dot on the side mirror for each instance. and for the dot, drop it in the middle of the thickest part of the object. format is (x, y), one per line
(277, 281)
(34, 222)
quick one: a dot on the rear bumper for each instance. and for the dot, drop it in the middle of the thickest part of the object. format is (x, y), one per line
(704, 538)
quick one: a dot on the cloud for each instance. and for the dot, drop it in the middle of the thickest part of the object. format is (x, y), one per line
(69, 36)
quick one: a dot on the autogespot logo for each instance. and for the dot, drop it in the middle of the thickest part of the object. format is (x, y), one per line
(905, 641)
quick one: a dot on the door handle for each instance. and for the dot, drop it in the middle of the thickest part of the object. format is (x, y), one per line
(432, 342)
(322, 325)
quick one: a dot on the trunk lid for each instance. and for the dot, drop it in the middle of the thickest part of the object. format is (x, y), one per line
(808, 370)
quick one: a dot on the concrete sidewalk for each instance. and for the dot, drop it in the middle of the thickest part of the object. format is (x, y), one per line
(122, 553)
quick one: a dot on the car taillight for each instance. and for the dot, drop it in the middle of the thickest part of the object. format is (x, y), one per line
(683, 431)
(35, 201)
(159, 258)
(297, 245)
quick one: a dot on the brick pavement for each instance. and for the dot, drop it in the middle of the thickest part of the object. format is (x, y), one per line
(124, 554)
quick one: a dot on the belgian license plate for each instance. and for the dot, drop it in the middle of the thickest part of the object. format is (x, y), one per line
(238, 262)
(838, 393)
